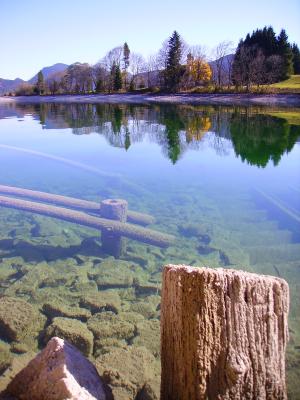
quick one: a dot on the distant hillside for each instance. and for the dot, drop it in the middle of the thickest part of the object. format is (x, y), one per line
(9, 85)
(48, 71)
(227, 63)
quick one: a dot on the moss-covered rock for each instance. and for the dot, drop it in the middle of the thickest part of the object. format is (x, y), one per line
(146, 309)
(107, 324)
(18, 319)
(72, 330)
(112, 273)
(127, 371)
(105, 345)
(148, 335)
(57, 309)
(104, 300)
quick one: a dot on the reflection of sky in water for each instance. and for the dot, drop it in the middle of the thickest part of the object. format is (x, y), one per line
(212, 162)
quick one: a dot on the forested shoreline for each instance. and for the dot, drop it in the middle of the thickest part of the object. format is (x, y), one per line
(259, 60)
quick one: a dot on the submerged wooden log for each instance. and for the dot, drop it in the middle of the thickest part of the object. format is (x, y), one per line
(114, 209)
(223, 334)
(62, 160)
(279, 206)
(71, 202)
(131, 231)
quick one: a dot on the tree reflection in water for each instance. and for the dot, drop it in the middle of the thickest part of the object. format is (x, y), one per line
(255, 137)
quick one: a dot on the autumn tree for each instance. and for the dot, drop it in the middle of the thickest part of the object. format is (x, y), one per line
(173, 71)
(199, 70)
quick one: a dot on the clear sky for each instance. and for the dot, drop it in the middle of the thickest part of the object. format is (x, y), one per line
(39, 33)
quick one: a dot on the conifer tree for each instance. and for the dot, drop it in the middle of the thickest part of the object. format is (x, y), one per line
(126, 61)
(296, 58)
(117, 78)
(126, 55)
(173, 67)
(40, 86)
(285, 51)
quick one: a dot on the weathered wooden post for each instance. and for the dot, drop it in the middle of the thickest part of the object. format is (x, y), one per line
(223, 334)
(115, 209)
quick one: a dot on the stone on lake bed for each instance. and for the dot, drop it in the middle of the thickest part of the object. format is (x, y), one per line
(144, 308)
(18, 319)
(127, 370)
(106, 345)
(72, 330)
(112, 273)
(60, 371)
(105, 300)
(107, 324)
(148, 335)
(56, 309)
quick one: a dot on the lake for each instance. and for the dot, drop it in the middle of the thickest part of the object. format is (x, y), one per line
(224, 181)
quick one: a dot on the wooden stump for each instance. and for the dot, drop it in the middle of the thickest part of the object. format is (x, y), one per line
(223, 335)
(115, 209)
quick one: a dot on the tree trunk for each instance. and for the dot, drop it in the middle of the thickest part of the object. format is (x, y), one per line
(223, 335)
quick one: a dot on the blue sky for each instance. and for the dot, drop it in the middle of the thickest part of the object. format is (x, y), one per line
(38, 33)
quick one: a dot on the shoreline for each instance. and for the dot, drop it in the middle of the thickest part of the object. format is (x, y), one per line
(243, 99)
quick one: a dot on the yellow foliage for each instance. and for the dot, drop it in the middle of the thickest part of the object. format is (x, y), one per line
(197, 128)
(199, 69)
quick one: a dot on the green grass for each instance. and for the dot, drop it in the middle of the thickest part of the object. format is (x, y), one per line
(292, 83)
(292, 117)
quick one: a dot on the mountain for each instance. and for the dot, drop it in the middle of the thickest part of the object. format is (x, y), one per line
(9, 85)
(49, 71)
(227, 64)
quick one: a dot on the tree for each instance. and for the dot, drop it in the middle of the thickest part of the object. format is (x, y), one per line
(262, 58)
(40, 86)
(126, 55)
(152, 70)
(296, 59)
(173, 71)
(137, 65)
(221, 52)
(126, 61)
(53, 85)
(78, 78)
(285, 51)
(198, 69)
(117, 77)
(100, 78)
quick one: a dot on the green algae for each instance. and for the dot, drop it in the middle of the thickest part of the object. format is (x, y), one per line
(73, 331)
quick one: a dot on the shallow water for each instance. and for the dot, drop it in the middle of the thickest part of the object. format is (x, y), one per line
(224, 181)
